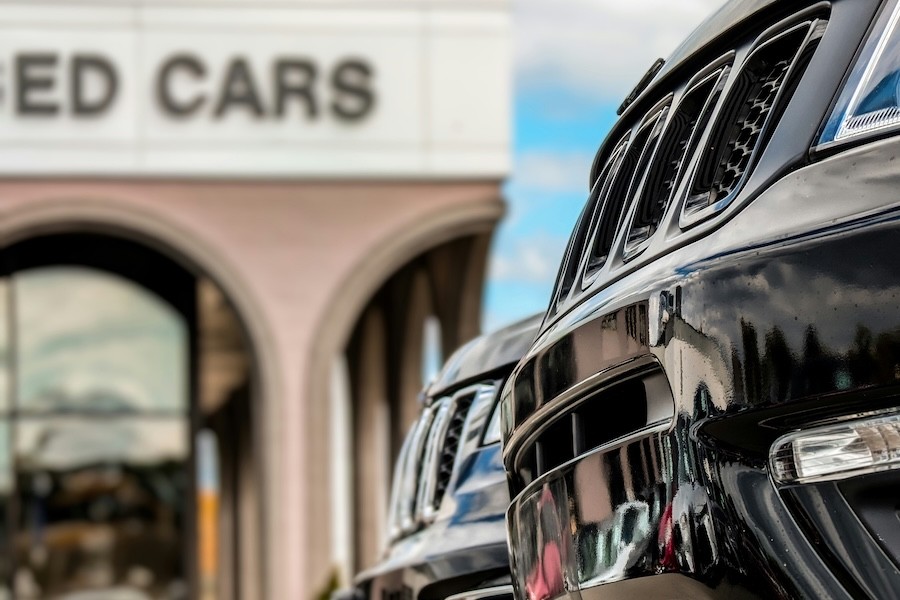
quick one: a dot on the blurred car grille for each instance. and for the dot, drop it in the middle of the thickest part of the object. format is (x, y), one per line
(428, 457)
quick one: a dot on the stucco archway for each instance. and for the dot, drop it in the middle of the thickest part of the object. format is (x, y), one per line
(471, 223)
(111, 219)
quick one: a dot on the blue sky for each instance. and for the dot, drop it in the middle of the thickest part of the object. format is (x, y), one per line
(574, 62)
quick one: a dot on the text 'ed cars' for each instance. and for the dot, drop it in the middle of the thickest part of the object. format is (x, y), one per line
(711, 407)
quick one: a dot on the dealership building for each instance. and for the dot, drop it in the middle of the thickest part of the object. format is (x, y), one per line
(233, 234)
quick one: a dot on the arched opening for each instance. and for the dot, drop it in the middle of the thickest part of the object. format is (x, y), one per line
(451, 246)
(343, 547)
(127, 455)
(432, 349)
(421, 313)
(418, 350)
(372, 413)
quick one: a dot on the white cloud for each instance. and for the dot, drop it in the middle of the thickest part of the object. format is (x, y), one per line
(599, 47)
(533, 260)
(558, 172)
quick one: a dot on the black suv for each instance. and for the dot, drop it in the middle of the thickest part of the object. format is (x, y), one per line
(711, 408)
(448, 537)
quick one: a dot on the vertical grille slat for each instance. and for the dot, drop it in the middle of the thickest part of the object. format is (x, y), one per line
(395, 517)
(409, 487)
(447, 459)
(579, 240)
(679, 139)
(634, 164)
(746, 114)
(427, 481)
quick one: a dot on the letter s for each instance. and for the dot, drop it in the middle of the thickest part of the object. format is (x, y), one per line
(354, 98)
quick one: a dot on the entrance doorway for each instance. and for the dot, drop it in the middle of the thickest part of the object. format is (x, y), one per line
(123, 449)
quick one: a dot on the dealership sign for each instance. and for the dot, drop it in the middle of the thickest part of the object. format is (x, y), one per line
(183, 89)
(200, 91)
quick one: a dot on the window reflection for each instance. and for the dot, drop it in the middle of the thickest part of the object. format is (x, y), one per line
(94, 447)
(101, 506)
(89, 340)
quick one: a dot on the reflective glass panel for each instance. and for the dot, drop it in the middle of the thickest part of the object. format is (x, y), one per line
(92, 341)
(101, 507)
(98, 436)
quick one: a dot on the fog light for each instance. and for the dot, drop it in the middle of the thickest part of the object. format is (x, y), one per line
(837, 451)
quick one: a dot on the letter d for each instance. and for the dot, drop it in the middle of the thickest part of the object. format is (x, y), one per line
(102, 69)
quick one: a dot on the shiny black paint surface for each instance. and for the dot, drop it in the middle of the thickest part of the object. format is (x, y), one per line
(779, 312)
(787, 315)
(486, 354)
(469, 536)
(670, 517)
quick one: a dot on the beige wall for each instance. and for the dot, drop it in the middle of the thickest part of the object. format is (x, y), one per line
(300, 262)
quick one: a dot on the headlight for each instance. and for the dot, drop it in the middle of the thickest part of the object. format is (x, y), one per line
(870, 101)
(837, 451)
(492, 432)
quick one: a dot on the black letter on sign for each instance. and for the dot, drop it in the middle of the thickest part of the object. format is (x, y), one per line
(295, 78)
(239, 89)
(164, 94)
(79, 67)
(354, 98)
(28, 81)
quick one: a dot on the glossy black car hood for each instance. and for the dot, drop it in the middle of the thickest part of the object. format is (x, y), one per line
(726, 18)
(486, 354)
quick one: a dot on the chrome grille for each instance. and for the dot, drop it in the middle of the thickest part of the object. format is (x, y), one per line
(405, 501)
(636, 162)
(744, 116)
(428, 458)
(692, 150)
(452, 439)
(425, 508)
(678, 141)
(577, 243)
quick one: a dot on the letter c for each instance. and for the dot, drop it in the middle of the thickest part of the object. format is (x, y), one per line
(191, 65)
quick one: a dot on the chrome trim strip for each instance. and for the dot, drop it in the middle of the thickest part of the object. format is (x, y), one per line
(411, 481)
(413, 503)
(394, 528)
(651, 429)
(541, 419)
(427, 480)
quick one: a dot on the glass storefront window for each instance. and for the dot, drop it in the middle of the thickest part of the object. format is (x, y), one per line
(95, 440)
(92, 341)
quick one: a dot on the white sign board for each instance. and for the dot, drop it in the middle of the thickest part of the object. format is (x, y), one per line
(241, 91)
